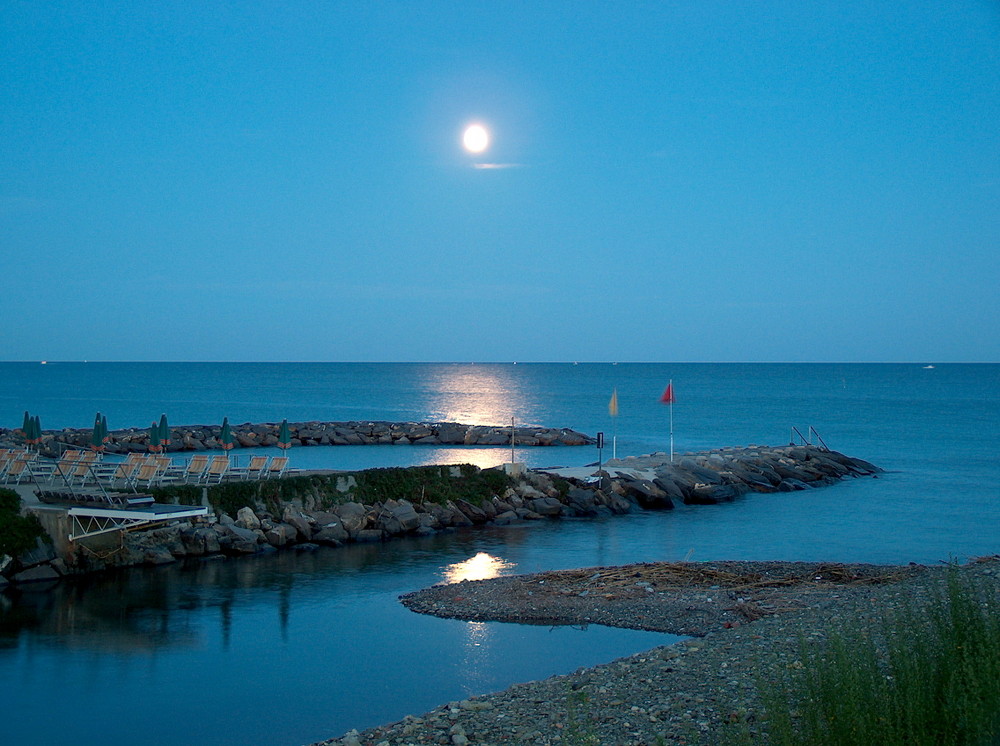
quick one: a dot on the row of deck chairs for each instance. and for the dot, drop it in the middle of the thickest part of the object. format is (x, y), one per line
(201, 469)
(159, 471)
(15, 465)
(76, 468)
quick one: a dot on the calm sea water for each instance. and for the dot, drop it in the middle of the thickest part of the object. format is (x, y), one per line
(297, 647)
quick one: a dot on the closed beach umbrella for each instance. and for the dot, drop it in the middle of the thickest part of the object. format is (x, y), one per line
(154, 438)
(34, 434)
(97, 437)
(105, 433)
(227, 435)
(26, 424)
(164, 432)
(284, 436)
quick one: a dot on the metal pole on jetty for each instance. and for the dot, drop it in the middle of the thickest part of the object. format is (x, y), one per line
(613, 411)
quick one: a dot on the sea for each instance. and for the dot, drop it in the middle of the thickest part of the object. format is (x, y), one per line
(298, 647)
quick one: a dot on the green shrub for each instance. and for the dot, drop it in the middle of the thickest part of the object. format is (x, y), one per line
(18, 533)
(927, 676)
(416, 484)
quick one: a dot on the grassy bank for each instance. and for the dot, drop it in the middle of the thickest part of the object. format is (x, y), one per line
(927, 675)
(418, 484)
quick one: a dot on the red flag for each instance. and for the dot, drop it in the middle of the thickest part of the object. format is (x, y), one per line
(668, 395)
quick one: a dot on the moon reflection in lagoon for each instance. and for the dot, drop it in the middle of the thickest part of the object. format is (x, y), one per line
(482, 566)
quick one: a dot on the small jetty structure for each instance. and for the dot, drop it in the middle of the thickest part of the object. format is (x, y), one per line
(80, 496)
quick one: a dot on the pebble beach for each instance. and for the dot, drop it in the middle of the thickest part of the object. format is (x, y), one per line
(745, 623)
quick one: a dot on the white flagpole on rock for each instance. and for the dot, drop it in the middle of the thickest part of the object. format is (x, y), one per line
(671, 420)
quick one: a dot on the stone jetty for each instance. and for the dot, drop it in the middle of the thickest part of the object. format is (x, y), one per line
(333, 509)
(360, 433)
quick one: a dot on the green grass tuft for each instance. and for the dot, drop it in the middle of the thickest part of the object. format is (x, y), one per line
(928, 675)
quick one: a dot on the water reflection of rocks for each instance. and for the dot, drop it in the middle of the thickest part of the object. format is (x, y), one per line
(141, 610)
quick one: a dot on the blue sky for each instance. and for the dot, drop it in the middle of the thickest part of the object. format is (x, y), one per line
(682, 181)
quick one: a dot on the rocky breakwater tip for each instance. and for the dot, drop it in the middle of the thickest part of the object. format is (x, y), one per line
(709, 477)
(314, 433)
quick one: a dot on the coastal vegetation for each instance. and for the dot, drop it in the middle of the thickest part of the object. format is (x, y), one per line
(18, 533)
(927, 676)
(416, 484)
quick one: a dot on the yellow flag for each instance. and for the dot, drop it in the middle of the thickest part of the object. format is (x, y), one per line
(613, 404)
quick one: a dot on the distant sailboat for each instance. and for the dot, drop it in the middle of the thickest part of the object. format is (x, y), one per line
(928, 367)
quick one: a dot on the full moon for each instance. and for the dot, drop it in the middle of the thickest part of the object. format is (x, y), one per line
(475, 138)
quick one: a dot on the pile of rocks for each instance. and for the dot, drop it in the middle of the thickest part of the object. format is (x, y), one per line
(36, 565)
(249, 435)
(721, 475)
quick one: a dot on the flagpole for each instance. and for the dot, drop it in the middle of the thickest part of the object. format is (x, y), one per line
(613, 411)
(671, 422)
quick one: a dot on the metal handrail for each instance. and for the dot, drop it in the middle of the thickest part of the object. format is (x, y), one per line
(812, 431)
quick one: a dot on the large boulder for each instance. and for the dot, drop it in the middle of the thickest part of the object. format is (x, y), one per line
(300, 522)
(281, 535)
(241, 540)
(331, 532)
(353, 516)
(158, 556)
(42, 552)
(452, 516)
(647, 494)
(546, 506)
(398, 517)
(584, 501)
(668, 485)
(246, 518)
(451, 434)
(702, 473)
(470, 511)
(40, 573)
(712, 494)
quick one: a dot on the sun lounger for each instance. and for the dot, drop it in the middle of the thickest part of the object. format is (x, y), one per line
(196, 468)
(254, 470)
(58, 470)
(19, 469)
(83, 470)
(148, 474)
(277, 468)
(218, 469)
(121, 476)
(6, 456)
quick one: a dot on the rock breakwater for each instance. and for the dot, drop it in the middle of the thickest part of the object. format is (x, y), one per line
(313, 433)
(306, 512)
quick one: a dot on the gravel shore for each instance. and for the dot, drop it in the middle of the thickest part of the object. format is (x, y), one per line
(747, 621)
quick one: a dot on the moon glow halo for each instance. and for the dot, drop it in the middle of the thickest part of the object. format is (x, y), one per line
(475, 139)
